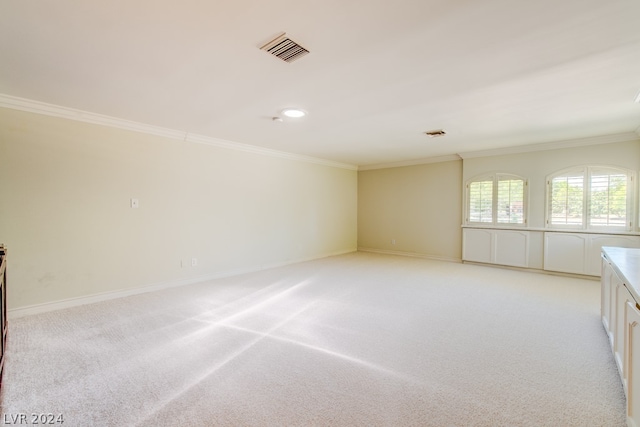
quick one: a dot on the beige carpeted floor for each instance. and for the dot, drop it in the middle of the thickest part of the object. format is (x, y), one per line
(355, 340)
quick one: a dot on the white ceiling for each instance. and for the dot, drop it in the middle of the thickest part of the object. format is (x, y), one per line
(495, 73)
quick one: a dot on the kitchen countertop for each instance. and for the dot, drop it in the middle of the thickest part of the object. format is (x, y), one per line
(626, 263)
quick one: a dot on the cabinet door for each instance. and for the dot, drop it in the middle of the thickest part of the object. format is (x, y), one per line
(632, 364)
(579, 252)
(477, 245)
(605, 298)
(504, 247)
(565, 252)
(512, 248)
(622, 298)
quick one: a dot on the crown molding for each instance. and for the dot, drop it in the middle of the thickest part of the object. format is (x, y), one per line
(31, 106)
(37, 107)
(554, 145)
(437, 159)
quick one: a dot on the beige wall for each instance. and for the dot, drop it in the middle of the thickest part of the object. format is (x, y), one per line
(65, 214)
(418, 206)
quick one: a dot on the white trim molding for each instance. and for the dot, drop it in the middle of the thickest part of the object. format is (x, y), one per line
(410, 254)
(37, 107)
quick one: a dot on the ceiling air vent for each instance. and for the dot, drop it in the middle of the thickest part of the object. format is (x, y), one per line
(435, 133)
(285, 48)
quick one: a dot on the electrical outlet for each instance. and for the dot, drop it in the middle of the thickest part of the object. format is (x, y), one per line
(194, 262)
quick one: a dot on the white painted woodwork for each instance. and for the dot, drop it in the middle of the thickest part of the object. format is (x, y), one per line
(632, 367)
(620, 307)
(493, 246)
(565, 252)
(605, 298)
(579, 253)
(512, 248)
(619, 343)
(477, 245)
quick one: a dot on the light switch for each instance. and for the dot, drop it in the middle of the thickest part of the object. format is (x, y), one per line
(135, 203)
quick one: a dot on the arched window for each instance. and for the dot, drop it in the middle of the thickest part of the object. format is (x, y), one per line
(496, 199)
(590, 197)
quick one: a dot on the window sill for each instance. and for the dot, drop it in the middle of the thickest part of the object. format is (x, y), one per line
(552, 230)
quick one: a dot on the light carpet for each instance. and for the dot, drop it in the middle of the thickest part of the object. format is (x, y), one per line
(355, 340)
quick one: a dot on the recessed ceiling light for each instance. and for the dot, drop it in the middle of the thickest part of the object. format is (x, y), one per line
(294, 113)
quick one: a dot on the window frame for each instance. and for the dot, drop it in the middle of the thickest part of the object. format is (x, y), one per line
(587, 173)
(496, 177)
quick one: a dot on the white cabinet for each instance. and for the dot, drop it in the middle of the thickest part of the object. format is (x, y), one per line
(504, 247)
(606, 299)
(597, 241)
(512, 248)
(477, 245)
(560, 251)
(633, 375)
(620, 340)
(579, 253)
(620, 307)
(565, 252)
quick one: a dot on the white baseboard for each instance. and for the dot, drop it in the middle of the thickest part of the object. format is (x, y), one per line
(104, 296)
(534, 270)
(448, 259)
(410, 254)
